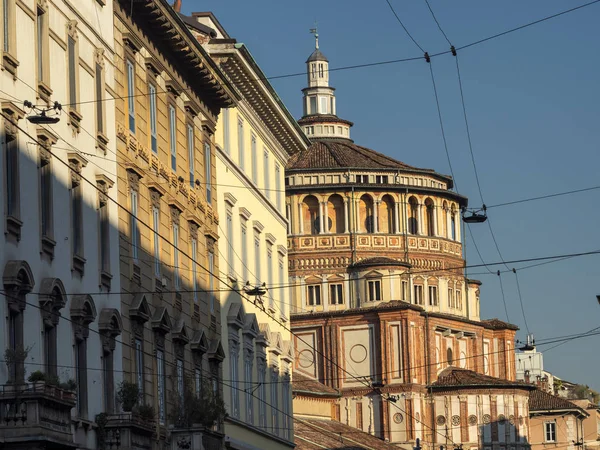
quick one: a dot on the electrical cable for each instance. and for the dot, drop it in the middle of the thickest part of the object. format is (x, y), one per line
(437, 22)
(521, 300)
(403, 26)
(503, 297)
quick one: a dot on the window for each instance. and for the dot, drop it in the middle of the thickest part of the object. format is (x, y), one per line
(160, 364)
(270, 274)
(320, 70)
(207, 173)
(323, 101)
(381, 179)
(550, 431)
(282, 282)
(176, 272)
(195, 269)
(130, 94)
(226, 141)
(453, 226)
(211, 281)
(313, 105)
(418, 291)
(152, 108)
(81, 373)
(274, 400)
(257, 258)
(173, 136)
(104, 221)
(335, 294)
(42, 45)
(15, 335)
(314, 294)
(267, 175)
(12, 176)
(139, 364)
(286, 406)
(241, 143)
(373, 290)
(278, 193)
(449, 356)
(433, 297)
(50, 344)
(99, 79)
(180, 390)
(191, 153)
(244, 245)
(249, 395)
(7, 6)
(450, 298)
(77, 217)
(46, 193)
(72, 55)
(108, 380)
(362, 178)
(235, 391)
(230, 249)
(359, 415)
(458, 299)
(135, 228)
(404, 290)
(198, 380)
(262, 393)
(156, 230)
(254, 156)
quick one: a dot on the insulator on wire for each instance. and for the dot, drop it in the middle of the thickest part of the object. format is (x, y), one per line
(453, 50)
(427, 58)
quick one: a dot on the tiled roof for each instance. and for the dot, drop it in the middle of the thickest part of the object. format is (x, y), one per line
(454, 376)
(542, 401)
(302, 383)
(313, 434)
(379, 261)
(497, 324)
(317, 55)
(343, 153)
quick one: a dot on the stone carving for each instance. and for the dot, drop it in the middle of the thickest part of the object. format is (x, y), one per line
(440, 420)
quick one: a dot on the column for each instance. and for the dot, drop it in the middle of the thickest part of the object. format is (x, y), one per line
(396, 218)
(300, 218)
(448, 224)
(321, 227)
(324, 294)
(376, 216)
(288, 212)
(420, 221)
(435, 213)
(346, 215)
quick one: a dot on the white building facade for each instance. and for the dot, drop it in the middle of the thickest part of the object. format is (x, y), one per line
(58, 240)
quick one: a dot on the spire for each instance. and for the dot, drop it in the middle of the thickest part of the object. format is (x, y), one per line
(316, 33)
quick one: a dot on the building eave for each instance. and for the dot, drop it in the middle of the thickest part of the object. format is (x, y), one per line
(252, 84)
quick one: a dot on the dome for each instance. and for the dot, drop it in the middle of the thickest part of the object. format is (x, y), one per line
(317, 55)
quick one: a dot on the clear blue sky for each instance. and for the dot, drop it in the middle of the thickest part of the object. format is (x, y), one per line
(533, 104)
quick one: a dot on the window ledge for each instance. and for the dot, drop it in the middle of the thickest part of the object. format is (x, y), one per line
(79, 264)
(44, 91)
(13, 227)
(48, 245)
(102, 141)
(75, 118)
(105, 279)
(10, 63)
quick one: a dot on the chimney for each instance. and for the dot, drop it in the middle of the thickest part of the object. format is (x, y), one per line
(544, 386)
(177, 6)
(527, 377)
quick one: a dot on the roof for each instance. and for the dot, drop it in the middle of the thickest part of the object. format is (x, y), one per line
(542, 401)
(314, 434)
(497, 324)
(302, 383)
(193, 23)
(454, 376)
(336, 153)
(323, 118)
(379, 261)
(317, 55)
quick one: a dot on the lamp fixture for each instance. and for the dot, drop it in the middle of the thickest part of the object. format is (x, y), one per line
(40, 117)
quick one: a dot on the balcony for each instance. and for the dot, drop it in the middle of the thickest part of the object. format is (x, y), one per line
(36, 415)
(126, 431)
(196, 438)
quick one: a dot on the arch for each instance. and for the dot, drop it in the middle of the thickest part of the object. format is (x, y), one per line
(310, 214)
(52, 290)
(18, 277)
(110, 322)
(335, 214)
(413, 215)
(429, 221)
(386, 214)
(83, 308)
(365, 214)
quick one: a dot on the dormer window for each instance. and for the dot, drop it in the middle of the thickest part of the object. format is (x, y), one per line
(373, 290)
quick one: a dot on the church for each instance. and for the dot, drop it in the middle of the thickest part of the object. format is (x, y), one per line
(388, 335)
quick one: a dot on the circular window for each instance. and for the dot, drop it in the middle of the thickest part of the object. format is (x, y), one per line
(501, 418)
(472, 419)
(455, 421)
(398, 418)
(487, 418)
(440, 420)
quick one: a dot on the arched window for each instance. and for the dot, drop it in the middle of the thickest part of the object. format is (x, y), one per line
(449, 357)
(429, 220)
(335, 213)
(386, 215)
(444, 230)
(310, 215)
(413, 214)
(453, 224)
(365, 214)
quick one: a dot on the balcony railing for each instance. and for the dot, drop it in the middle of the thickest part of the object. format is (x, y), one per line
(124, 431)
(36, 412)
(196, 438)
